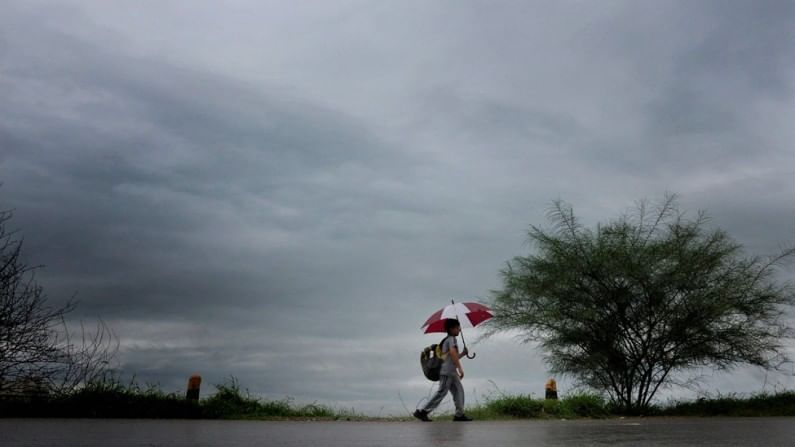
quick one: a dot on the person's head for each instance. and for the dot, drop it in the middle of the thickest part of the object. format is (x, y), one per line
(452, 326)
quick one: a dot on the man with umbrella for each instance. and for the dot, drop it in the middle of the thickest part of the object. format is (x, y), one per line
(451, 371)
(449, 376)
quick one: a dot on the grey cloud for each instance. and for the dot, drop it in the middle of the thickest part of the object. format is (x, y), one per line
(737, 58)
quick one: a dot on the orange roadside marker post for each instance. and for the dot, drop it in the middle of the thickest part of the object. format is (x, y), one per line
(194, 384)
(551, 389)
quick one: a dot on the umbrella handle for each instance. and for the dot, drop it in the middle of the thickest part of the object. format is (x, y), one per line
(469, 356)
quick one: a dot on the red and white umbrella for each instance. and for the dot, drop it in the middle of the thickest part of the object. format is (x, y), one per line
(468, 314)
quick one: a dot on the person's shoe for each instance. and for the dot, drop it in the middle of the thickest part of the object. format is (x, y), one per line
(462, 418)
(421, 415)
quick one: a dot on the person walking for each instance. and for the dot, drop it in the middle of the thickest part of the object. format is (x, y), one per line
(450, 376)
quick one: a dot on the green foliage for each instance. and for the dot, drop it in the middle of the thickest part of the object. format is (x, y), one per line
(507, 407)
(624, 306)
(586, 405)
(590, 405)
(113, 399)
(110, 398)
(582, 405)
(229, 402)
(778, 404)
(520, 406)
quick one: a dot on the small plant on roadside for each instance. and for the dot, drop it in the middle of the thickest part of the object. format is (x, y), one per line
(585, 405)
(229, 402)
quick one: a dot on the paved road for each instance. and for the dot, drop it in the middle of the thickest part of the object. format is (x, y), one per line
(626, 432)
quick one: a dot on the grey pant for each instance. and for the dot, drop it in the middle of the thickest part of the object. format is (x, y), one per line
(453, 385)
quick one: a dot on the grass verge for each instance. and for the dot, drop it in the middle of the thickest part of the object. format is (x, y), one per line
(582, 405)
(111, 399)
(762, 404)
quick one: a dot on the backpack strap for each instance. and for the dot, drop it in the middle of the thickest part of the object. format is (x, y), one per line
(439, 349)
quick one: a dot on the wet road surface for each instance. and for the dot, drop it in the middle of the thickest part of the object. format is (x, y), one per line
(613, 432)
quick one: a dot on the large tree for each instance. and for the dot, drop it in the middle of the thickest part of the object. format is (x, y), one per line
(625, 306)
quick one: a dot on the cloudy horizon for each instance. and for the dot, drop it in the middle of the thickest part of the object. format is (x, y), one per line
(284, 191)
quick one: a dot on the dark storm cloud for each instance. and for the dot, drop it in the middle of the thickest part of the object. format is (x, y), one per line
(284, 192)
(147, 164)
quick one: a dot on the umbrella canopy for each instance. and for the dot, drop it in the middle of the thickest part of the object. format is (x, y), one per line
(468, 314)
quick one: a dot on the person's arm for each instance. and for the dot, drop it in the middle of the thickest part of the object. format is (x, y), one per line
(456, 361)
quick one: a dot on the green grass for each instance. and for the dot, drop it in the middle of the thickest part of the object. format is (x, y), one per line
(763, 404)
(516, 406)
(582, 405)
(112, 399)
(585, 405)
(229, 402)
(590, 405)
(103, 399)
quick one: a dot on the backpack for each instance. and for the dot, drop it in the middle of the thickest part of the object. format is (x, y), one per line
(431, 359)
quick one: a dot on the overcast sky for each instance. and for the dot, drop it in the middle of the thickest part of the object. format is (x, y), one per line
(284, 191)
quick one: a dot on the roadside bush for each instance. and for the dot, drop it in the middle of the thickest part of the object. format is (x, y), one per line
(229, 401)
(519, 406)
(586, 405)
(764, 404)
(108, 398)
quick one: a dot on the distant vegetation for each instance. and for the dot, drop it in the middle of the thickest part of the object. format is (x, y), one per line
(229, 402)
(106, 399)
(777, 404)
(583, 405)
(112, 399)
(588, 405)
